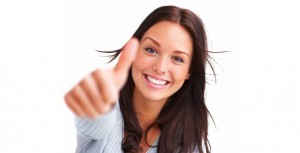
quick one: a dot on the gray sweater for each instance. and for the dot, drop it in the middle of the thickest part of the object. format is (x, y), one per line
(104, 134)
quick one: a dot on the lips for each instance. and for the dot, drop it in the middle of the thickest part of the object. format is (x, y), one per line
(156, 82)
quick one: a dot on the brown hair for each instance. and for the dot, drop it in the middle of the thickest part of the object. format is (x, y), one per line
(183, 120)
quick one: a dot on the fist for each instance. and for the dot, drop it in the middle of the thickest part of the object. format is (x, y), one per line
(97, 92)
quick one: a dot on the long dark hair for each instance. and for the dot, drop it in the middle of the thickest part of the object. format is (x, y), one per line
(183, 120)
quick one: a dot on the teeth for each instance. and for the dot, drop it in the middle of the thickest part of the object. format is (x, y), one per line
(155, 81)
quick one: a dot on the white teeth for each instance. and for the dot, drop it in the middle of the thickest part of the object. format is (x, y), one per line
(155, 81)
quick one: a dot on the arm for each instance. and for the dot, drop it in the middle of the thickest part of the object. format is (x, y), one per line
(97, 128)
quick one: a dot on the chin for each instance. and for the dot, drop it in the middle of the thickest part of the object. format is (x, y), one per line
(155, 96)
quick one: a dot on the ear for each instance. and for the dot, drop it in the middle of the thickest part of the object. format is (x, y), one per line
(187, 76)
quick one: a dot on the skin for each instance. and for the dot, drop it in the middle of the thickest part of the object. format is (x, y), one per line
(95, 94)
(164, 53)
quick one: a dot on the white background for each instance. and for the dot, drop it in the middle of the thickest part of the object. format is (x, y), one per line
(46, 47)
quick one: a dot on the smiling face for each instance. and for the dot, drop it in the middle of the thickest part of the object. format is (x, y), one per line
(162, 62)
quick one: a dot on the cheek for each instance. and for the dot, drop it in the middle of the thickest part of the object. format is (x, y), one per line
(180, 74)
(135, 73)
(139, 58)
(143, 61)
(139, 65)
(135, 69)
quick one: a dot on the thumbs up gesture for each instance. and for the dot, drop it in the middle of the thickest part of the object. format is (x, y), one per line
(97, 92)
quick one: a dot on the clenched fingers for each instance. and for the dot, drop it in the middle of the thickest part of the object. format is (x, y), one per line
(105, 82)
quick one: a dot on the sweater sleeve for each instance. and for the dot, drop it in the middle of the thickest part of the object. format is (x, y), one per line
(98, 128)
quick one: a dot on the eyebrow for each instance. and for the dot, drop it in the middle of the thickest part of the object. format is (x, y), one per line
(181, 52)
(177, 51)
(152, 41)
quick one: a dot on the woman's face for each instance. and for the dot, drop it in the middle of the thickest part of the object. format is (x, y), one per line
(162, 62)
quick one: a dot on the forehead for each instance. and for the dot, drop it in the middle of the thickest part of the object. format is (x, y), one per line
(171, 35)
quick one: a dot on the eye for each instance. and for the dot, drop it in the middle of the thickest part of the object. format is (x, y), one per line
(178, 59)
(151, 50)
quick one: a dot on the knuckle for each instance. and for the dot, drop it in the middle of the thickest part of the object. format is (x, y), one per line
(75, 91)
(84, 81)
(96, 73)
(67, 98)
(69, 103)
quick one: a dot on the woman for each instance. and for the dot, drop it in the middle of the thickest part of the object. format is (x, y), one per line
(153, 100)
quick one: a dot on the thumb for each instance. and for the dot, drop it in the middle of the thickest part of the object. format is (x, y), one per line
(127, 56)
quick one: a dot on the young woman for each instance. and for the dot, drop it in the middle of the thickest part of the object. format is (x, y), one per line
(153, 100)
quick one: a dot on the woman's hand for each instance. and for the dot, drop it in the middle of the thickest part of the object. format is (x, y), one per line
(97, 92)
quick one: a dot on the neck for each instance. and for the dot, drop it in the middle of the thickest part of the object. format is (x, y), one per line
(146, 110)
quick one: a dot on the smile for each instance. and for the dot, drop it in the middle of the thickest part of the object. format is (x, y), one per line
(155, 82)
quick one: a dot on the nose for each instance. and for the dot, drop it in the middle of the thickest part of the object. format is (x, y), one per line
(160, 66)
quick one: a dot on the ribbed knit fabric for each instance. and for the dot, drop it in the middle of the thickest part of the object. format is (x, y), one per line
(102, 135)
